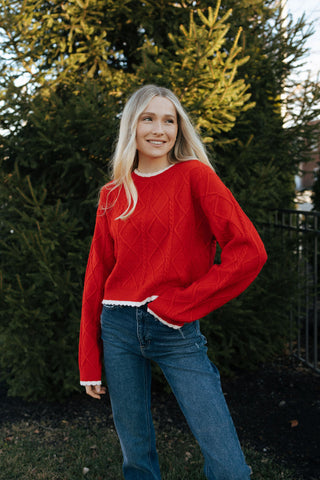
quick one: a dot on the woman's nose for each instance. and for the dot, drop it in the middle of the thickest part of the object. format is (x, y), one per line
(157, 127)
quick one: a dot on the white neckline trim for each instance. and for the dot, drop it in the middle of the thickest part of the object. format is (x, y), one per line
(152, 174)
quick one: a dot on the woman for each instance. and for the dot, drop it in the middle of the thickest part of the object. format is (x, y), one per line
(151, 271)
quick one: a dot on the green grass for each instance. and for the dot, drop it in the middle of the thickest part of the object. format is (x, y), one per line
(39, 451)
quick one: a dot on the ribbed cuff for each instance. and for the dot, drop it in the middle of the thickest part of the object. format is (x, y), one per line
(97, 382)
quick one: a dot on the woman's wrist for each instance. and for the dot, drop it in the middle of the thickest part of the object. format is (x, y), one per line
(94, 382)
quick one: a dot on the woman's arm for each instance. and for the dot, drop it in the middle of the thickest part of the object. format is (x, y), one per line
(100, 263)
(242, 256)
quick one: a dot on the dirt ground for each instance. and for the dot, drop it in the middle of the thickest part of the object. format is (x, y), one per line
(276, 409)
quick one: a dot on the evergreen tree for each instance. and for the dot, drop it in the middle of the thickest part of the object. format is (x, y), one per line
(260, 164)
(60, 132)
(202, 72)
(66, 72)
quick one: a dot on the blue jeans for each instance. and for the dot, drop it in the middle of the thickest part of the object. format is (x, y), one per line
(132, 338)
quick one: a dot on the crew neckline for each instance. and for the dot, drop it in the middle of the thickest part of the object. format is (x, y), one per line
(152, 174)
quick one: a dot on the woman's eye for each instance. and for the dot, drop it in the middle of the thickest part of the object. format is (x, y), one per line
(148, 119)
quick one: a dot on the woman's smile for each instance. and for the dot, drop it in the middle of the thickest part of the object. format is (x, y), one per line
(156, 142)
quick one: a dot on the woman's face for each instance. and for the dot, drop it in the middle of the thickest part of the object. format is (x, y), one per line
(156, 133)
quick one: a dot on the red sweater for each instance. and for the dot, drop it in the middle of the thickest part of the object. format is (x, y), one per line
(164, 253)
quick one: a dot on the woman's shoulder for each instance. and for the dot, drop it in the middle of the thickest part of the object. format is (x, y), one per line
(108, 195)
(195, 167)
(196, 171)
(203, 179)
(109, 187)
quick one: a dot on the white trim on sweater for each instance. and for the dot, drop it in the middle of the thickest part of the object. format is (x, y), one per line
(128, 303)
(152, 174)
(175, 327)
(96, 382)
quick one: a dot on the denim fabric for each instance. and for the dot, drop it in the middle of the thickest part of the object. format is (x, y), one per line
(132, 338)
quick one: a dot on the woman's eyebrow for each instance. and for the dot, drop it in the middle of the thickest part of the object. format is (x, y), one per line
(165, 115)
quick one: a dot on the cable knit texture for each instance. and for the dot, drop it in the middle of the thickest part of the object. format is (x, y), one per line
(165, 251)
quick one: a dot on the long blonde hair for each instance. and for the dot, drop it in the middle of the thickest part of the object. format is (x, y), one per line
(188, 144)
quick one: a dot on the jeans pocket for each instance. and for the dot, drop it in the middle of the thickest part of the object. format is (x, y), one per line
(189, 329)
(191, 334)
(110, 306)
(109, 311)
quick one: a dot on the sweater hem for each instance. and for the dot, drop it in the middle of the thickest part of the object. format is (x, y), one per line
(128, 303)
(175, 327)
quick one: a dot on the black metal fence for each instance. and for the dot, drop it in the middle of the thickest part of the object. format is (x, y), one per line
(300, 235)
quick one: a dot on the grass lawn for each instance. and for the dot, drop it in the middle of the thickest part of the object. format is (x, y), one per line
(31, 450)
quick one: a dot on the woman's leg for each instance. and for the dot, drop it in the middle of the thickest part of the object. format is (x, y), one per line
(195, 381)
(128, 378)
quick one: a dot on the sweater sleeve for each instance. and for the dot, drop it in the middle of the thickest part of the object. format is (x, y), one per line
(100, 263)
(242, 256)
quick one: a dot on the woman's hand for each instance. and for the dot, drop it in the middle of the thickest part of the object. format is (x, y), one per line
(95, 391)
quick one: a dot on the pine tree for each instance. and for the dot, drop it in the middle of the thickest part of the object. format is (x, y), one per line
(66, 72)
(270, 138)
(259, 163)
(42, 268)
(60, 133)
(197, 66)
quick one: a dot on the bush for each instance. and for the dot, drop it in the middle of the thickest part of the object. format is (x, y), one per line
(53, 164)
(43, 260)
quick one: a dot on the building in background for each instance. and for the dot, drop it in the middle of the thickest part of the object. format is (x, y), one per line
(308, 174)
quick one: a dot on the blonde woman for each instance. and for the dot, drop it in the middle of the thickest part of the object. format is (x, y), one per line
(151, 276)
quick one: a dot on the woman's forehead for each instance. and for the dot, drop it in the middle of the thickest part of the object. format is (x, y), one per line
(161, 105)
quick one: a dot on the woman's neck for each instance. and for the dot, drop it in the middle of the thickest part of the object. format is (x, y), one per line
(152, 167)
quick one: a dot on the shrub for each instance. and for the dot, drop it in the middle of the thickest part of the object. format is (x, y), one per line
(43, 260)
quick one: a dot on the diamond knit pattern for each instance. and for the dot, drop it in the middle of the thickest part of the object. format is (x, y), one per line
(166, 249)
